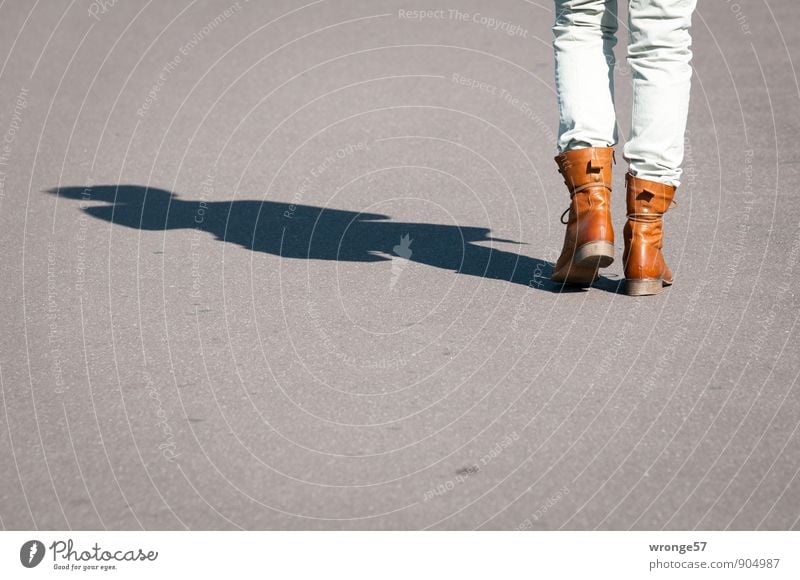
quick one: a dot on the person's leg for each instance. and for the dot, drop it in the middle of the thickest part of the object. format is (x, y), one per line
(584, 38)
(659, 52)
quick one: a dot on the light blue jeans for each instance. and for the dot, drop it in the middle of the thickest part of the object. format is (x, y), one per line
(659, 52)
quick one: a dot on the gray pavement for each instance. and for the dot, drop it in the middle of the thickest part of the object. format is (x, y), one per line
(269, 265)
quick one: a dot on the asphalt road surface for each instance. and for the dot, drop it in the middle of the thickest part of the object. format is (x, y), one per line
(274, 265)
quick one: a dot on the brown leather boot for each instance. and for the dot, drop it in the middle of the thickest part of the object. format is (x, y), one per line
(646, 272)
(589, 239)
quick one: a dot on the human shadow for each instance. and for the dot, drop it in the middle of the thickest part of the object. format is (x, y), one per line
(315, 233)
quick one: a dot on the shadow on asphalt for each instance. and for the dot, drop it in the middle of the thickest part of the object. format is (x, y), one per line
(316, 233)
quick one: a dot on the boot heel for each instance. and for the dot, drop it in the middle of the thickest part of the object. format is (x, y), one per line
(595, 254)
(643, 287)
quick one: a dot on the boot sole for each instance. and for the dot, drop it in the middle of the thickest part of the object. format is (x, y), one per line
(645, 287)
(587, 260)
